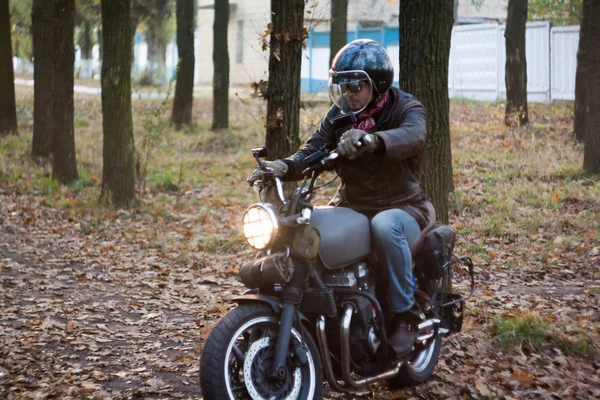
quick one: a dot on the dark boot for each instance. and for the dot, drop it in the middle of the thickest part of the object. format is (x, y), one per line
(404, 332)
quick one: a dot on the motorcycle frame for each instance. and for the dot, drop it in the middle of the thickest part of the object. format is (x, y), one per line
(285, 302)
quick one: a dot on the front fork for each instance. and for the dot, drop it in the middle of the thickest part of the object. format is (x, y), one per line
(292, 296)
(288, 315)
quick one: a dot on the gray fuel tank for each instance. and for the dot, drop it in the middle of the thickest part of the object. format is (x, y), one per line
(345, 235)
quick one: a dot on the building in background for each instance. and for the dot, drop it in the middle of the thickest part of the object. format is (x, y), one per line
(374, 19)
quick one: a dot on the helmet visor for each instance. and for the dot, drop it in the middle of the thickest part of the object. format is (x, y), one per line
(350, 90)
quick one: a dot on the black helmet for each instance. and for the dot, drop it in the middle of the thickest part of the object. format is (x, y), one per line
(365, 55)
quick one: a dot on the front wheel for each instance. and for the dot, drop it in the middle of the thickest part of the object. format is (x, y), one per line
(238, 356)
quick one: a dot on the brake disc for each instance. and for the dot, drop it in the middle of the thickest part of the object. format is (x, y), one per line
(257, 365)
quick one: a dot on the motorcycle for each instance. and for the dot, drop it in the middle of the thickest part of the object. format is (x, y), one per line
(314, 308)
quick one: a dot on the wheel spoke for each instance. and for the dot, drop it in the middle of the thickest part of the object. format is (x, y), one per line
(255, 334)
(239, 354)
(240, 392)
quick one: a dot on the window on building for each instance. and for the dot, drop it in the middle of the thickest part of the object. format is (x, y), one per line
(239, 53)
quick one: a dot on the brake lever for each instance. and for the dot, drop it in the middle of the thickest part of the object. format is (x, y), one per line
(332, 156)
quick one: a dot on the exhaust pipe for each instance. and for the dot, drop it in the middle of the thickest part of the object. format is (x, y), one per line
(326, 356)
(346, 369)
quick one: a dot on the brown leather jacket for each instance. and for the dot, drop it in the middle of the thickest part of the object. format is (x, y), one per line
(388, 178)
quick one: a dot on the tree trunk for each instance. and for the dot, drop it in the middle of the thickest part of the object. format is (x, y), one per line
(285, 60)
(43, 77)
(452, 9)
(424, 55)
(339, 31)
(118, 182)
(156, 69)
(581, 77)
(516, 64)
(85, 71)
(587, 115)
(184, 88)
(221, 66)
(8, 108)
(64, 166)
(100, 47)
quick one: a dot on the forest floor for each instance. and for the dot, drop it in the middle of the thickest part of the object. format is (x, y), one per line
(116, 304)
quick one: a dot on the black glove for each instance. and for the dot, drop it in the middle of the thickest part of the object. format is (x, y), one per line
(351, 145)
(279, 168)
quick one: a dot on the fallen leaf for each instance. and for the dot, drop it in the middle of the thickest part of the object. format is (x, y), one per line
(482, 388)
(70, 326)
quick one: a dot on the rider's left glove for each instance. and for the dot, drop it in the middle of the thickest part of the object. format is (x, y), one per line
(355, 142)
(279, 168)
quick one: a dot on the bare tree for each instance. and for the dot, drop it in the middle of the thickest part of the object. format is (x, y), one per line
(64, 165)
(154, 13)
(221, 66)
(118, 181)
(8, 108)
(339, 31)
(424, 56)
(516, 64)
(184, 88)
(587, 86)
(43, 77)
(285, 60)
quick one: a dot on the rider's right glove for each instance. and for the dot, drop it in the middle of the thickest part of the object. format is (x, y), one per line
(355, 142)
(279, 168)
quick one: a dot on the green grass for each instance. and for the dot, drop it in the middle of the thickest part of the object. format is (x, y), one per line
(533, 333)
(217, 244)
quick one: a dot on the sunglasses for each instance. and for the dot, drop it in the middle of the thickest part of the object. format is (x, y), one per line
(353, 86)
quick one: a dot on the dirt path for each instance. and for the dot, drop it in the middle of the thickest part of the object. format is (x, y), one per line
(73, 328)
(99, 314)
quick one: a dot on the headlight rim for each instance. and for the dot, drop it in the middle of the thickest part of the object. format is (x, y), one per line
(272, 214)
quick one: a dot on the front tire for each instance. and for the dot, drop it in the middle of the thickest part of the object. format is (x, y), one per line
(238, 353)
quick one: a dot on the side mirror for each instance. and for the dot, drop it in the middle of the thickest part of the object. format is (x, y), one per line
(259, 152)
(342, 120)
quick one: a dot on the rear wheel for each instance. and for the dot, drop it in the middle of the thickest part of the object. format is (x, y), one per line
(238, 356)
(421, 363)
(419, 367)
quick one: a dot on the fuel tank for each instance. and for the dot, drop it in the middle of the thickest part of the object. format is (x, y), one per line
(345, 235)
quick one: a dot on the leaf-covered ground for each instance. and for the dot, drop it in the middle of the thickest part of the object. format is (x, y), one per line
(102, 303)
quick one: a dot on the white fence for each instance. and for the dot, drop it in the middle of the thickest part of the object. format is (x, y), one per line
(478, 58)
(563, 57)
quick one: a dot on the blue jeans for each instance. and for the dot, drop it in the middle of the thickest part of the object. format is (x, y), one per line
(394, 231)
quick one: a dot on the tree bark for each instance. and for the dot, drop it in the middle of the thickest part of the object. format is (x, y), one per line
(587, 107)
(285, 60)
(221, 66)
(64, 165)
(424, 56)
(85, 43)
(118, 181)
(339, 27)
(184, 88)
(100, 47)
(43, 77)
(452, 9)
(157, 44)
(581, 76)
(8, 107)
(516, 64)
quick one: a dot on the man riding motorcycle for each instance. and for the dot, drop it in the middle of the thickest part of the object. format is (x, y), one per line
(380, 172)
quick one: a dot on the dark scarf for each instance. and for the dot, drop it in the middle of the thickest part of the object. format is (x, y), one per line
(366, 119)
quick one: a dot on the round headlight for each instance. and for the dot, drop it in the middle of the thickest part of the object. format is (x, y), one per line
(260, 225)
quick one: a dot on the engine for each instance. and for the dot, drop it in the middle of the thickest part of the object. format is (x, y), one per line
(354, 277)
(363, 339)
